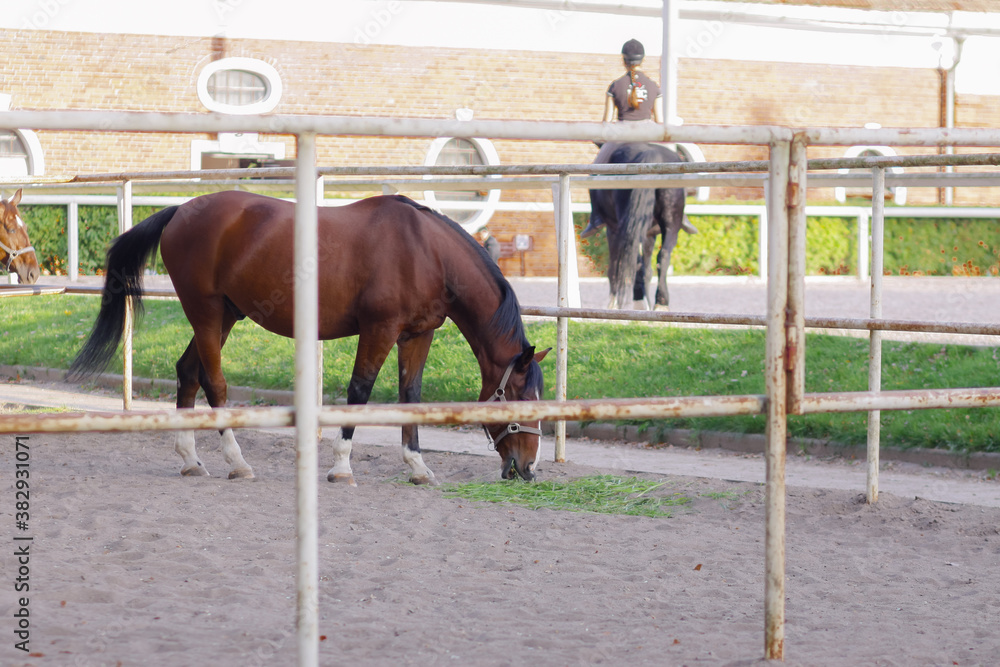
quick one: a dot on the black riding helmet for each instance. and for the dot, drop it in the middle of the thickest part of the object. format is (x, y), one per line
(632, 52)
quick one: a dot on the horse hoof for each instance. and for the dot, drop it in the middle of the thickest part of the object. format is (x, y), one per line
(661, 307)
(245, 473)
(194, 471)
(341, 478)
(424, 480)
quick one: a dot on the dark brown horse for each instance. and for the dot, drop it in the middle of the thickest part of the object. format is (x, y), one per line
(18, 255)
(390, 272)
(634, 218)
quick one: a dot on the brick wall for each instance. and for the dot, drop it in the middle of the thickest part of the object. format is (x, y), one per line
(60, 70)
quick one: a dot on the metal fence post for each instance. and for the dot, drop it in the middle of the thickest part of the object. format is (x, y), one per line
(762, 237)
(776, 427)
(125, 224)
(874, 336)
(564, 236)
(73, 240)
(320, 199)
(306, 410)
(863, 244)
(795, 325)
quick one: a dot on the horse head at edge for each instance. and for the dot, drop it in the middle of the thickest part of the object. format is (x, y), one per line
(19, 256)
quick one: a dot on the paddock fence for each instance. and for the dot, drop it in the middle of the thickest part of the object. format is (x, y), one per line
(74, 192)
(785, 184)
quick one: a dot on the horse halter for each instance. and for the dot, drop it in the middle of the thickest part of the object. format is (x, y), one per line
(513, 427)
(13, 254)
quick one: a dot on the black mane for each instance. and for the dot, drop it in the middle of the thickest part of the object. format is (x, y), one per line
(506, 321)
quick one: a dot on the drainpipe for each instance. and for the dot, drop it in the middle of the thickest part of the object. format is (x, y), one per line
(668, 60)
(949, 109)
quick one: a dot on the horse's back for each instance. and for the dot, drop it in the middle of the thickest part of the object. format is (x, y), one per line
(378, 258)
(641, 152)
(243, 232)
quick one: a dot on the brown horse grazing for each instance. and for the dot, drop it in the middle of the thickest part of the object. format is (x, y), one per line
(390, 272)
(14, 244)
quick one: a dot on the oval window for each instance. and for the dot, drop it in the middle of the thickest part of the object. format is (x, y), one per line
(236, 87)
(20, 154)
(239, 86)
(452, 151)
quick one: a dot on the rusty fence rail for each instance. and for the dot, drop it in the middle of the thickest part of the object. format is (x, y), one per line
(475, 412)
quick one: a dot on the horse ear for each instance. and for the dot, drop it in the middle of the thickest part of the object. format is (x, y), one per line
(16, 198)
(527, 356)
(524, 360)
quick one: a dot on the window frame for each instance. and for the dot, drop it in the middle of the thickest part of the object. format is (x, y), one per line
(488, 152)
(34, 156)
(701, 192)
(898, 192)
(258, 67)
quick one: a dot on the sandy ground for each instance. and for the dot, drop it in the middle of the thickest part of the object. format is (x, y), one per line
(132, 564)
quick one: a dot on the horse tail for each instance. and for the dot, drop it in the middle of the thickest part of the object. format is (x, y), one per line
(126, 260)
(634, 211)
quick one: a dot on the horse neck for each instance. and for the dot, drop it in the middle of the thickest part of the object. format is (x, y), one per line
(473, 316)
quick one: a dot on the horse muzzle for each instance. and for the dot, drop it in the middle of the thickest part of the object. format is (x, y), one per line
(511, 470)
(28, 275)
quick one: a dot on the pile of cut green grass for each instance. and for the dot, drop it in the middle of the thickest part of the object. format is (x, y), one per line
(601, 494)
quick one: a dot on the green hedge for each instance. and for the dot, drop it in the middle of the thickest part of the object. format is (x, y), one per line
(98, 226)
(956, 247)
(727, 245)
(723, 246)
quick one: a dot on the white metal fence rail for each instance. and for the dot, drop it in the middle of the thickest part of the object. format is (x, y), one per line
(541, 181)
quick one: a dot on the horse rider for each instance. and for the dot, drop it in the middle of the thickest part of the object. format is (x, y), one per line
(632, 97)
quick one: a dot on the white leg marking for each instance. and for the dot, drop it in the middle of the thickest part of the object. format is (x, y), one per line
(341, 470)
(538, 449)
(239, 468)
(184, 446)
(420, 473)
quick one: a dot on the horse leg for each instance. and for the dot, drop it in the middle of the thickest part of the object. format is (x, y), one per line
(194, 369)
(644, 275)
(669, 216)
(231, 452)
(669, 241)
(412, 357)
(662, 264)
(188, 367)
(373, 348)
(614, 267)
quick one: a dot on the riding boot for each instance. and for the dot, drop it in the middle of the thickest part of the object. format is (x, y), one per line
(592, 228)
(687, 226)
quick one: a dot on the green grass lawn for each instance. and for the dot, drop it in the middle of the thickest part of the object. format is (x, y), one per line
(606, 361)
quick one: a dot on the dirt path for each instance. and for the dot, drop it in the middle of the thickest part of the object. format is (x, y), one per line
(132, 564)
